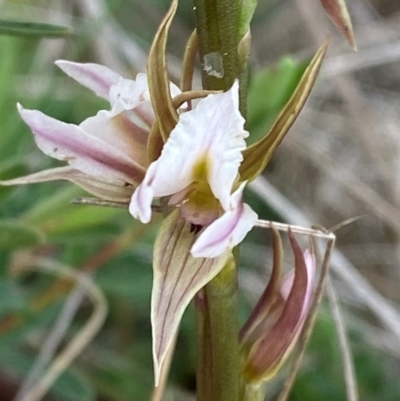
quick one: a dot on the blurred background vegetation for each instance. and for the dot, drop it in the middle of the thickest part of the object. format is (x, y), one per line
(340, 160)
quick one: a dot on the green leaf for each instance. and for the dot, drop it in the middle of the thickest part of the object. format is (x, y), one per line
(11, 168)
(247, 8)
(269, 91)
(15, 234)
(57, 214)
(53, 206)
(35, 29)
(10, 298)
(129, 277)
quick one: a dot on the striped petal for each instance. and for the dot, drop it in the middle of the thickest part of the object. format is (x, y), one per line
(84, 152)
(120, 132)
(177, 278)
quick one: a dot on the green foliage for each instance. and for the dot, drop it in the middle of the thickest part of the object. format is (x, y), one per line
(15, 234)
(35, 29)
(269, 91)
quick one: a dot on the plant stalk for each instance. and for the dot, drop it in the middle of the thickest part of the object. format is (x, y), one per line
(217, 338)
(217, 325)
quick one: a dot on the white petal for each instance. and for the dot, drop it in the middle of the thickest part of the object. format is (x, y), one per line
(212, 133)
(94, 76)
(127, 94)
(86, 153)
(140, 206)
(222, 126)
(227, 231)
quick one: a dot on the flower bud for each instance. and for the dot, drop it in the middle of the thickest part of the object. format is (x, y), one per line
(274, 326)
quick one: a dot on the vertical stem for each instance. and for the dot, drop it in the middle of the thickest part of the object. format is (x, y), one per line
(217, 325)
(217, 338)
(217, 29)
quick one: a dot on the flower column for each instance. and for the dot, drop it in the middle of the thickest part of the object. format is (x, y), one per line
(218, 346)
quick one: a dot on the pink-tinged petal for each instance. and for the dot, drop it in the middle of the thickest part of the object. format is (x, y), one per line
(86, 153)
(109, 189)
(256, 324)
(208, 139)
(94, 76)
(177, 278)
(228, 230)
(287, 285)
(119, 132)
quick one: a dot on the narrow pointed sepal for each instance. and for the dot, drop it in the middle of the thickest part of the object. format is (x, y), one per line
(108, 189)
(159, 85)
(177, 278)
(338, 13)
(257, 156)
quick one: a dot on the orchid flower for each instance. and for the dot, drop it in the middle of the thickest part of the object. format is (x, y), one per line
(195, 162)
(271, 332)
(198, 166)
(106, 153)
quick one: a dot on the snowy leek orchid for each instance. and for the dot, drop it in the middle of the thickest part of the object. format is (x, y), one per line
(194, 160)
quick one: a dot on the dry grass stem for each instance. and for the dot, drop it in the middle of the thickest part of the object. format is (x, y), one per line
(348, 364)
(82, 338)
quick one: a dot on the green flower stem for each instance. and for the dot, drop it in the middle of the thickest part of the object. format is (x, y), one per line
(217, 24)
(217, 338)
(218, 35)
